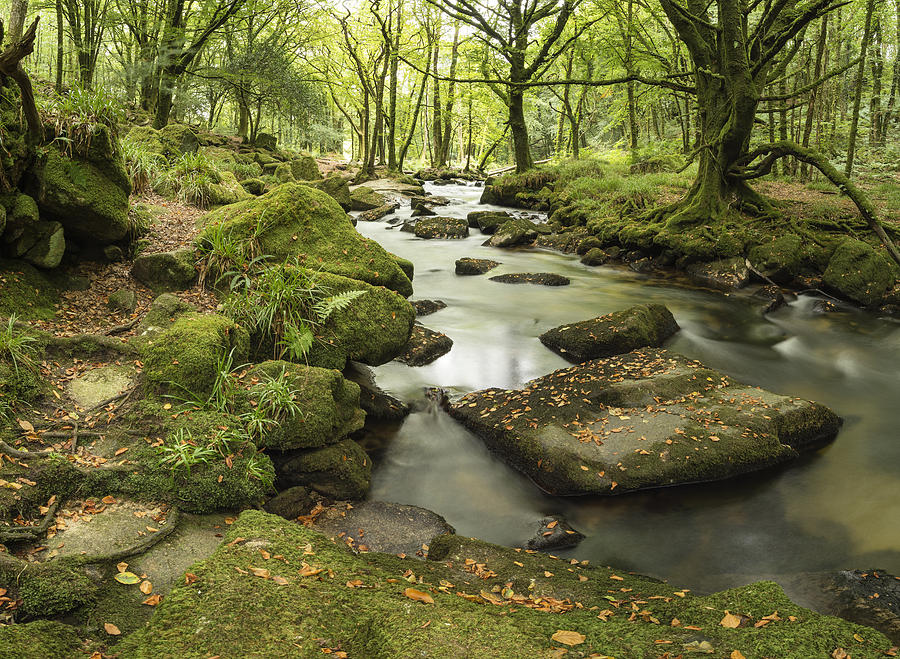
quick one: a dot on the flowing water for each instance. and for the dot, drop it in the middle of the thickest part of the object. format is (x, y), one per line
(835, 509)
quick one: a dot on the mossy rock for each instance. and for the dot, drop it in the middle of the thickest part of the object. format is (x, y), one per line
(254, 186)
(304, 222)
(22, 384)
(859, 273)
(79, 196)
(329, 407)
(408, 267)
(598, 428)
(364, 198)
(166, 271)
(779, 259)
(305, 168)
(41, 243)
(514, 232)
(170, 142)
(613, 334)
(335, 187)
(339, 471)
(40, 639)
(259, 616)
(187, 357)
(442, 227)
(284, 173)
(26, 291)
(594, 257)
(227, 191)
(50, 589)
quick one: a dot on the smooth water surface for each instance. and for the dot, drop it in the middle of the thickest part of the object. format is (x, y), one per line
(835, 509)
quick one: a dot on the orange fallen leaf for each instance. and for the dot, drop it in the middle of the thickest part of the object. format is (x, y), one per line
(108, 500)
(24, 425)
(737, 654)
(309, 571)
(260, 572)
(153, 600)
(568, 637)
(121, 567)
(121, 450)
(111, 629)
(418, 596)
(730, 620)
(146, 587)
(840, 653)
(281, 581)
(189, 578)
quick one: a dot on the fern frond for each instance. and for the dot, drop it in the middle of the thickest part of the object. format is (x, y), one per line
(324, 308)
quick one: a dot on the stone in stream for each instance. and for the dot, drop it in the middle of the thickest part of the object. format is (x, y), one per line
(487, 221)
(375, 402)
(471, 266)
(391, 528)
(423, 206)
(554, 533)
(428, 307)
(594, 257)
(363, 198)
(621, 331)
(339, 471)
(724, 275)
(540, 278)
(425, 346)
(867, 597)
(514, 232)
(375, 214)
(646, 419)
(441, 227)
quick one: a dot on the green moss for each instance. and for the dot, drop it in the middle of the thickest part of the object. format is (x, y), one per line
(51, 589)
(78, 195)
(329, 406)
(227, 191)
(228, 611)
(25, 291)
(305, 168)
(187, 357)
(406, 265)
(296, 220)
(41, 639)
(856, 271)
(340, 471)
(284, 173)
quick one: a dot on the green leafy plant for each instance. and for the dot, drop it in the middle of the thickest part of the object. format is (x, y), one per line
(77, 115)
(144, 166)
(183, 451)
(276, 401)
(16, 345)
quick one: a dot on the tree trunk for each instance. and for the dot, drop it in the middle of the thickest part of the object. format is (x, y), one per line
(17, 14)
(858, 89)
(444, 156)
(60, 50)
(519, 129)
(812, 108)
(167, 81)
(437, 134)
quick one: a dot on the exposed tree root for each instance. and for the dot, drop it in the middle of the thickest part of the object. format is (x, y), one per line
(29, 533)
(6, 449)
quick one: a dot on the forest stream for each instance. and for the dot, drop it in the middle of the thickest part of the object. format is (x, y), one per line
(831, 510)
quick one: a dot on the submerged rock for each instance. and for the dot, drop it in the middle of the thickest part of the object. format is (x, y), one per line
(646, 419)
(391, 528)
(425, 345)
(540, 278)
(554, 533)
(441, 227)
(621, 331)
(470, 266)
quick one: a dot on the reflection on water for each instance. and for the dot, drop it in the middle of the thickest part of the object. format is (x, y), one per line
(836, 509)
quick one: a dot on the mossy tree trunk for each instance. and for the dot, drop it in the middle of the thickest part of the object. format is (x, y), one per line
(733, 54)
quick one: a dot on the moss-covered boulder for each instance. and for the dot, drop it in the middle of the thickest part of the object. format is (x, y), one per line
(470, 599)
(166, 271)
(441, 227)
(254, 186)
(26, 291)
(487, 221)
(613, 334)
(339, 471)
(189, 355)
(296, 220)
(364, 198)
(47, 589)
(646, 419)
(723, 275)
(779, 259)
(170, 142)
(514, 232)
(859, 273)
(594, 257)
(77, 194)
(40, 243)
(305, 168)
(329, 406)
(39, 640)
(471, 266)
(227, 191)
(335, 187)
(283, 173)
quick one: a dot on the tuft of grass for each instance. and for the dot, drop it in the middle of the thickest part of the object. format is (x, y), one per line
(76, 116)
(190, 178)
(145, 167)
(17, 346)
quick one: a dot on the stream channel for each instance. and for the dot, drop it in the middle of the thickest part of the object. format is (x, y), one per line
(835, 509)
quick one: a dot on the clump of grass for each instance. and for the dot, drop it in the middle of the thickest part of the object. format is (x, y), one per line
(17, 346)
(145, 167)
(243, 170)
(76, 116)
(191, 178)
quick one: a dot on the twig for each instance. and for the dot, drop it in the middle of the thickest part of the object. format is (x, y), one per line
(6, 449)
(118, 329)
(24, 533)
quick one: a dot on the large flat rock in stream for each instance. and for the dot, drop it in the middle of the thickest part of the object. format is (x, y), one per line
(646, 419)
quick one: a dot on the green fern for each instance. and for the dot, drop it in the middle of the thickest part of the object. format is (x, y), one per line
(297, 341)
(340, 301)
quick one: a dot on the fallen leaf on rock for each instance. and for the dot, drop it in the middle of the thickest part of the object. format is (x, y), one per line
(153, 600)
(281, 581)
(146, 587)
(737, 654)
(840, 653)
(127, 578)
(418, 596)
(108, 500)
(568, 637)
(25, 425)
(189, 578)
(121, 567)
(309, 571)
(111, 629)
(121, 450)
(730, 620)
(354, 583)
(260, 572)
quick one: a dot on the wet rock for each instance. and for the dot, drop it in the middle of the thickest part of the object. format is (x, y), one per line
(122, 300)
(487, 221)
(166, 271)
(471, 266)
(771, 298)
(594, 257)
(588, 244)
(867, 597)
(441, 227)
(613, 334)
(339, 471)
(425, 345)
(859, 273)
(642, 266)
(291, 503)
(391, 528)
(540, 278)
(562, 242)
(646, 419)
(512, 233)
(377, 404)
(554, 533)
(378, 213)
(424, 206)
(428, 307)
(824, 306)
(363, 198)
(779, 260)
(724, 275)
